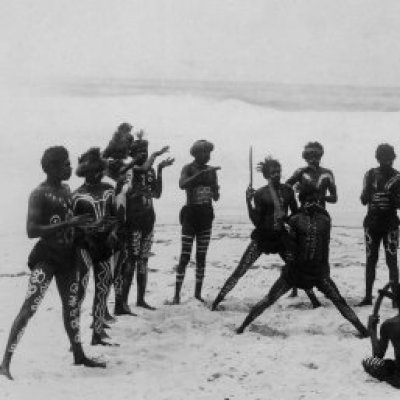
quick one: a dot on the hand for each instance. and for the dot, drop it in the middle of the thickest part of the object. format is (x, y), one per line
(250, 192)
(165, 149)
(80, 220)
(166, 163)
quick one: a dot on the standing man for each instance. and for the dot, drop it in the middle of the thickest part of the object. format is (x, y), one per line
(200, 182)
(96, 198)
(272, 203)
(50, 219)
(381, 193)
(314, 177)
(140, 216)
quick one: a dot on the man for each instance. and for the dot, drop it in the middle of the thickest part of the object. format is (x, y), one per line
(200, 182)
(381, 193)
(313, 175)
(96, 198)
(307, 262)
(140, 216)
(50, 219)
(119, 169)
(385, 369)
(272, 203)
(320, 179)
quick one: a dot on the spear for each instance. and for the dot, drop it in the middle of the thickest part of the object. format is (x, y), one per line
(251, 165)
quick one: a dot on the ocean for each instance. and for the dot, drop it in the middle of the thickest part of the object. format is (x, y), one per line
(275, 120)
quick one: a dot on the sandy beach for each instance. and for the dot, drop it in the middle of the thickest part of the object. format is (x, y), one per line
(189, 352)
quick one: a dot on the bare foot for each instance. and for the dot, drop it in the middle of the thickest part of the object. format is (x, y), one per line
(366, 301)
(143, 304)
(6, 372)
(89, 362)
(176, 301)
(198, 297)
(124, 310)
(240, 330)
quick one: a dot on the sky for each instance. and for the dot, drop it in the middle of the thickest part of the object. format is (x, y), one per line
(345, 42)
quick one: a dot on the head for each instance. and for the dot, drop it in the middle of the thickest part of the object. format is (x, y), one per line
(271, 169)
(119, 145)
(91, 165)
(312, 153)
(125, 127)
(56, 164)
(385, 155)
(139, 150)
(201, 151)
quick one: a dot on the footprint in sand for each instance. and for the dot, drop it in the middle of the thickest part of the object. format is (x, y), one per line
(265, 330)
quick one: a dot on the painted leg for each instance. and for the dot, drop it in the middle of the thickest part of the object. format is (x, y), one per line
(391, 243)
(202, 243)
(39, 281)
(330, 290)
(278, 289)
(142, 273)
(187, 238)
(68, 286)
(372, 243)
(249, 257)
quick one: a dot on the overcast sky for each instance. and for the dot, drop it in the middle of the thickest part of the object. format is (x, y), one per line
(298, 41)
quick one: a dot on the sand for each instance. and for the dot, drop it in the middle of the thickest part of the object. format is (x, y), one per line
(189, 352)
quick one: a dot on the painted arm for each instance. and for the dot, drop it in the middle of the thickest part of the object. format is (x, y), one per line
(332, 197)
(254, 212)
(215, 188)
(366, 192)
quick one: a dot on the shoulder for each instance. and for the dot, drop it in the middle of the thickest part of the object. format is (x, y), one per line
(298, 172)
(260, 192)
(38, 193)
(326, 171)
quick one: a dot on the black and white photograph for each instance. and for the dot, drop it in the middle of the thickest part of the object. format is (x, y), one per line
(202, 199)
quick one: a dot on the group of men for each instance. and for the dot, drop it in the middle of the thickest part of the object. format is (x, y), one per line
(109, 229)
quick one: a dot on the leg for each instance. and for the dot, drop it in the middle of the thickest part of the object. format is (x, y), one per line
(278, 289)
(390, 243)
(329, 289)
(202, 242)
(121, 308)
(249, 257)
(187, 237)
(39, 281)
(313, 298)
(68, 285)
(142, 271)
(84, 265)
(102, 279)
(372, 242)
(133, 248)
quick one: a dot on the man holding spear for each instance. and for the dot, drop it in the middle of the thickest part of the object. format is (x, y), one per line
(271, 205)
